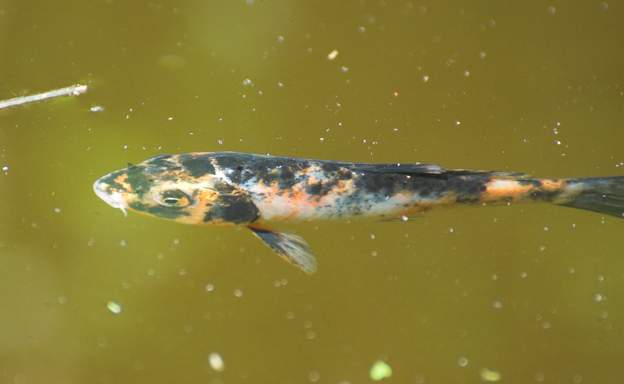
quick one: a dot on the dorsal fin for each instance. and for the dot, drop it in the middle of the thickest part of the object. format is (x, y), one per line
(434, 170)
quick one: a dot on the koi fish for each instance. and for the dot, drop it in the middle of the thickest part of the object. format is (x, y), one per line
(229, 188)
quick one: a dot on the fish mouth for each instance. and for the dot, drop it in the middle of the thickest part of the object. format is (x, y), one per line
(111, 197)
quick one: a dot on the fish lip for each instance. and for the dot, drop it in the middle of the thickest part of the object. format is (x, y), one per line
(114, 199)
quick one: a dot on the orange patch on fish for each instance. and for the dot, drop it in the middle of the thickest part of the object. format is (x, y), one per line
(123, 181)
(498, 189)
(552, 184)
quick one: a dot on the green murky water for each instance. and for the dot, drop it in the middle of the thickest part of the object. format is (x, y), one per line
(510, 294)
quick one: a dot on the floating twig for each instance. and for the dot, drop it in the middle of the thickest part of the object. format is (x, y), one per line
(73, 90)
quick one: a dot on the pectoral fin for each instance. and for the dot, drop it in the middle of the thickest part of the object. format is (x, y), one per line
(291, 248)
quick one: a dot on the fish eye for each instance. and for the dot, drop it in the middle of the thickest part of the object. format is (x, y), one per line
(174, 198)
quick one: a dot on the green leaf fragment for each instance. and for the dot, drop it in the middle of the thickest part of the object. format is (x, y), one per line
(380, 370)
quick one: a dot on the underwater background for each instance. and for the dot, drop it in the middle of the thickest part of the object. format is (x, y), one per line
(521, 293)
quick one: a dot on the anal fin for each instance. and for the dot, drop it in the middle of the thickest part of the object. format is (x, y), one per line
(291, 248)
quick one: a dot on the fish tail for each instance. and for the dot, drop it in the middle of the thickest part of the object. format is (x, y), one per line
(598, 194)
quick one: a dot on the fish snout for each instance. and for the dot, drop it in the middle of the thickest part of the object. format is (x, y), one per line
(110, 195)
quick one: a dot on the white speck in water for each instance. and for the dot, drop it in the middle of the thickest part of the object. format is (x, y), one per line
(125, 147)
(238, 293)
(372, 236)
(374, 253)
(182, 272)
(61, 300)
(169, 118)
(466, 73)
(321, 139)
(482, 55)
(247, 82)
(546, 229)
(497, 304)
(344, 69)
(425, 78)
(524, 275)
(96, 108)
(210, 287)
(5, 169)
(280, 39)
(539, 377)
(451, 230)
(332, 55)
(495, 277)
(577, 379)
(220, 141)
(310, 335)
(462, 361)
(280, 84)
(601, 278)
(599, 297)
(216, 362)
(457, 123)
(552, 10)
(404, 218)
(123, 243)
(114, 307)
(546, 325)
(361, 29)
(57, 210)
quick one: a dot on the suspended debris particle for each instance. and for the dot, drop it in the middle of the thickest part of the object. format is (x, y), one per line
(490, 376)
(462, 361)
(114, 307)
(380, 370)
(216, 362)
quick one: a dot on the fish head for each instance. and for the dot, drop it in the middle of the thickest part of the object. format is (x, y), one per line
(161, 186)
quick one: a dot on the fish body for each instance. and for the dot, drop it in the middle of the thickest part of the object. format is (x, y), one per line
(230, 188)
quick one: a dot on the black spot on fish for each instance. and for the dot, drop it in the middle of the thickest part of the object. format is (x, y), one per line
(530, 182)
(160, 211)
(377, 183)
(330, 167)
(468, 188)
(236, 209)
(197, 166)
(138, 179)
(314, 188)
(160, 161)
(287, 178)
(344, 174)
